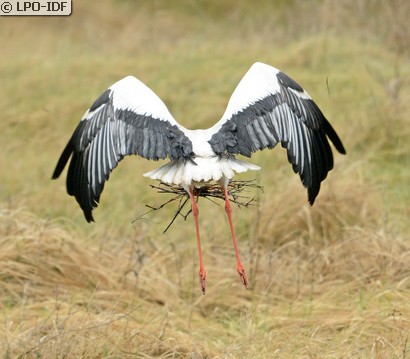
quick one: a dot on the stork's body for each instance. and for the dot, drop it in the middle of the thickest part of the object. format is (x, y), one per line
(204, 168)
(266, 108)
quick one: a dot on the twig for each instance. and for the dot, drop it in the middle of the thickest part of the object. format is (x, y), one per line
(177, 213)
(210, 192)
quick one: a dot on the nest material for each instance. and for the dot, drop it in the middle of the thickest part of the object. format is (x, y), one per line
(236, 195)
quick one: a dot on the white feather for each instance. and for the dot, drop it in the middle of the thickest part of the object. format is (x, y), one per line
(259, 82)
(206, 169)
(132, 94)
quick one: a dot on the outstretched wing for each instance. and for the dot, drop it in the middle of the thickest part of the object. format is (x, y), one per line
(268, 107)
(127, 119)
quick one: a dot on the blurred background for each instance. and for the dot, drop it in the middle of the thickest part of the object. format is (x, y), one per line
(332, 280)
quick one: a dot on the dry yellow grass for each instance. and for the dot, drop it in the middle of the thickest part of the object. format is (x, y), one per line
(332, 281)
(329, 290)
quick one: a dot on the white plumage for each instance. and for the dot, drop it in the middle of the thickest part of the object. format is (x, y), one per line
(266, 108)
(205, 169)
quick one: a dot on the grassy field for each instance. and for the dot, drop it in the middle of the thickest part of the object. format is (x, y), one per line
(328, 281)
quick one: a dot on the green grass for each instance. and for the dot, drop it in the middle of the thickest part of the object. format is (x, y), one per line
(329, 281)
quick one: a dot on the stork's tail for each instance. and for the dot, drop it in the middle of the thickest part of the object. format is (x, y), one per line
(200, 170)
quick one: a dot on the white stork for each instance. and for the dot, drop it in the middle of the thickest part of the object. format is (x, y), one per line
(267, 107)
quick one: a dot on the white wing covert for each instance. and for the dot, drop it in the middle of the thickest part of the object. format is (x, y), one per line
(269, 107)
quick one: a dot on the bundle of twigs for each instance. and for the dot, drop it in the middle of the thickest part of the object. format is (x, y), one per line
(209, 191)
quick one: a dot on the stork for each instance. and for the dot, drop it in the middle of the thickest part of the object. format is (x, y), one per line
(266, 108)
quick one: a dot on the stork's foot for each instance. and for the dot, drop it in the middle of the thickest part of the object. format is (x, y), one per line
(202, 283)
(242, 274)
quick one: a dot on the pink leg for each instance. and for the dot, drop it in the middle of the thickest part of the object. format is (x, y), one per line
(239, 266)
(195, 212)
